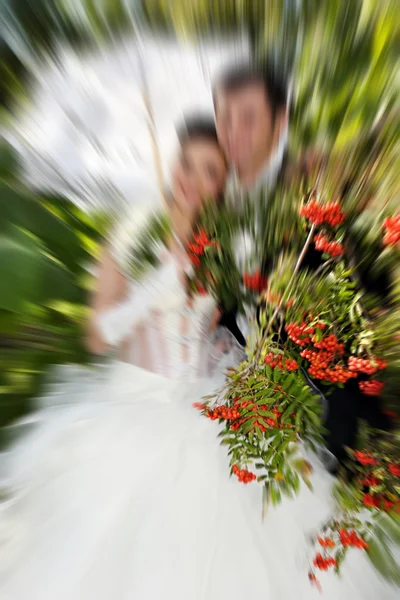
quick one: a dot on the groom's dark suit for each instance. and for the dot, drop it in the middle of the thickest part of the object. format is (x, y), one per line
(345, 405)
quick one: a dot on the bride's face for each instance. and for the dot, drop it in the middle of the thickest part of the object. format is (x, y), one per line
(199, 174)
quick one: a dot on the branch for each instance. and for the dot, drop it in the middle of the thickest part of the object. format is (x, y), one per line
(284, 295)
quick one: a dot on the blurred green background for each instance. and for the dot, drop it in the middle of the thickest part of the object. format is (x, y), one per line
(45, 244)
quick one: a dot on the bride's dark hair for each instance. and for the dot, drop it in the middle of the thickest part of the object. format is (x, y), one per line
(197, 127)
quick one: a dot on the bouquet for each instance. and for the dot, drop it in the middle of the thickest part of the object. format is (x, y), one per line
(314, 325)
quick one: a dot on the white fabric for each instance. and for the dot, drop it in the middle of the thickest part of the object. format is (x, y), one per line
(152, 294)
(160, 306)
(121, 491)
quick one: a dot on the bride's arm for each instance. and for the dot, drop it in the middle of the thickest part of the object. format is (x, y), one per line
(111, 287)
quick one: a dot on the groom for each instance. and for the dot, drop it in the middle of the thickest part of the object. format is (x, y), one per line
(251, 111)
(251, 117)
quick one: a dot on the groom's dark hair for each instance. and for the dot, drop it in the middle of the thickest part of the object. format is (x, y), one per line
(197, 127)
(240, 76)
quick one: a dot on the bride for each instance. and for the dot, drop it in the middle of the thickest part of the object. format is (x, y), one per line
(121, 491)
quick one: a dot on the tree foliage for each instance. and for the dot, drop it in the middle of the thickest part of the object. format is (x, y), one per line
(46, 244)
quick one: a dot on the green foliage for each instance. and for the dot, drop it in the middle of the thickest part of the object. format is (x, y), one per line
(216, 270)
(368, 507)
(45, 244)
(144, 253)
(273, 411)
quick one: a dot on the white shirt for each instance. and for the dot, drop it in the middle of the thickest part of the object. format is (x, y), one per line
(237, 195)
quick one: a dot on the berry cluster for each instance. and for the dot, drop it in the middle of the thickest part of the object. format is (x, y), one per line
(326, 357)
(300, 334)
(350, 538)
(255, 281)
(369, 481)
(377, 490)
(335, 374)
(330, 247)
(322, 360)
(243, 475)
(259, 421)
(378, 501)
(391, 227)
(289, 364)
(200, 243)
(324, 563)
(329, 343)
(236, 418)
(326, 542)
(365, 365)
(373, 387)
(329, 213)
(364, 458)
(197, 248)
(394, 469)
(346, 538)
(223, 412)
(388, 504)
(377, 474)
(371, 501)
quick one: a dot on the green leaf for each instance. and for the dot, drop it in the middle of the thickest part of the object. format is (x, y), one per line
(289, 380)
(389, 524)
(24, 210)
(57, 282)
(299, 416)
(265, 499)
(266, 413)
(382, 559)
(276, 375)
(339, 557)
(225, 442)
(346, 496)
(296, 482)
(315, 418)
(8, 161)
(19, 268)
(275, 494)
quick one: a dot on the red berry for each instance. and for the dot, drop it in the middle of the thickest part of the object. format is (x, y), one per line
(317, 214)
(373, 387)
(391, 226)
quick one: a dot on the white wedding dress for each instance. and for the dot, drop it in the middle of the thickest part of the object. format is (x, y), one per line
(121, 491)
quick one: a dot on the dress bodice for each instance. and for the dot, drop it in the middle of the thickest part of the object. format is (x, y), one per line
(157, 327)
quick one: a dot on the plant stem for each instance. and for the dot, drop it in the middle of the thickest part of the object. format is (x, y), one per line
(284, 295)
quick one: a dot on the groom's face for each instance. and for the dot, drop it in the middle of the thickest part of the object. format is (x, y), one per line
(244, 124)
